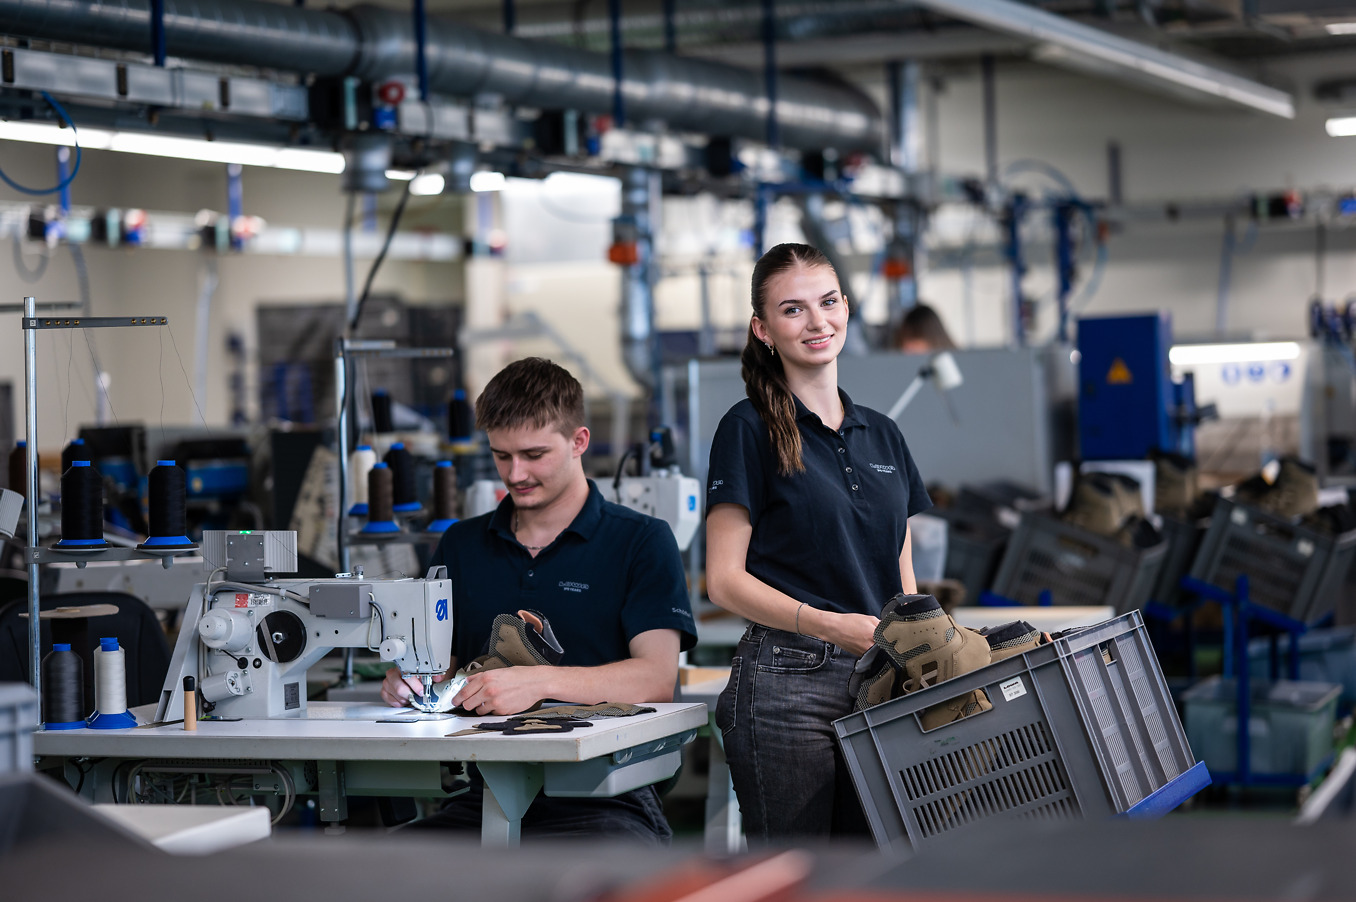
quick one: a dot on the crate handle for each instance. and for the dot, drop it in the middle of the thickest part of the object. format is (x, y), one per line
(1082, 548)
(918, 715)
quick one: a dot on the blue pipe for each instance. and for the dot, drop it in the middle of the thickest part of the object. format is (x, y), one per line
(158, 31)
(670, 32)
(421, 48)
(770, 71)
(618, 100)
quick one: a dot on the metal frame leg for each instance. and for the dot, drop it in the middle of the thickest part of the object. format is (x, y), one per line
(724, 821)
(510, 788)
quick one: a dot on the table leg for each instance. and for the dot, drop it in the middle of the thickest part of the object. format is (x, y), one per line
(333, 797)
(510, 786)
(724, 825)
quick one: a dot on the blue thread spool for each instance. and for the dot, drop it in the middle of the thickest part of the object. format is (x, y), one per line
(110, 688)
(380, 517)
(405, 499)
(444, 497)
(167, 488)
(63, 689)
(82, 509)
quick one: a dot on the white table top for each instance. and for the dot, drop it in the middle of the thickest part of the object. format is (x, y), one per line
(191, 829)
(347, 731)
(1047, 619)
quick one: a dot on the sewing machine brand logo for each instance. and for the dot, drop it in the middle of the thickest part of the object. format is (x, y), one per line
(573, 587)
(441, 609)
(882, 468)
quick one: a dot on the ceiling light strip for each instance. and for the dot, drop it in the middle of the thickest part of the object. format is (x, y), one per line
(1074, 37)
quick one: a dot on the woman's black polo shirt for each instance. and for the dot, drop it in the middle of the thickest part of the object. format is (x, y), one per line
(832, 535)
(611, 575)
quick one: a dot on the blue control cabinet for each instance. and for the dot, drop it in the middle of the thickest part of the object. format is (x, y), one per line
(1126, 397)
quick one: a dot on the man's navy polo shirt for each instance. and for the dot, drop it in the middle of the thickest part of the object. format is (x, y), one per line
(830, 536)
(611, 575)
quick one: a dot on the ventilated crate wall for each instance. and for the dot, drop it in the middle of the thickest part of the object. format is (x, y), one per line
(1291, 569)
(1084, 726)
(1077, 567)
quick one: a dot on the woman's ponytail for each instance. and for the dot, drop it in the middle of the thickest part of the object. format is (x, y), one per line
(765, 382)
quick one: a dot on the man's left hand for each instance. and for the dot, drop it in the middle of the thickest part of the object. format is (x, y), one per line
(506, 690)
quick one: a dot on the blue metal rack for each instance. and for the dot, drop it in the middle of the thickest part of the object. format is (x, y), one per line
(1239, 612)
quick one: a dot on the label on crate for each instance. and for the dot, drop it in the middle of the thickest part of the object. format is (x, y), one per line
(1013, 688)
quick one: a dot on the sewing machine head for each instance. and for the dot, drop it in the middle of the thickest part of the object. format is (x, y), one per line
(249, 639)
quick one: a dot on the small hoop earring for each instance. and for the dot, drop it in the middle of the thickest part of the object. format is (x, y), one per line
(770, 349)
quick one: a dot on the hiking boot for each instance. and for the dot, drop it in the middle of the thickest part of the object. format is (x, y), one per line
(522, 641)
(948, 592)
(927, 648)
(1176, 484)
(1295, 491)
(1011, 639)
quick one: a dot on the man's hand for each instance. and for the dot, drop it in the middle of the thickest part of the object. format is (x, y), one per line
(396, 689)
(506, 690)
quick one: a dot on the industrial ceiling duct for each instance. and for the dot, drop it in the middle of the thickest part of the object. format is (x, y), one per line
(374, 43)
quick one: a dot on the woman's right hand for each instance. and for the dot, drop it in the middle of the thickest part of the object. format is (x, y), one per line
(854, 633)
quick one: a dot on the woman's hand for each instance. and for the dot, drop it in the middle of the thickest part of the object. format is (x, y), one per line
(854, 633)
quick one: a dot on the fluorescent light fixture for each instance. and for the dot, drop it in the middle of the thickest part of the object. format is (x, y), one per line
(487, 181)
(1341, 27)
(400, 175)
(293, 158)
(1063, 39)
(426, 185)
(1253, 352)
(1341, 126)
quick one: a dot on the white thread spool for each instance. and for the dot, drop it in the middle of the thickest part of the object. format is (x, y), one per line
(110, 687)
(360, 462)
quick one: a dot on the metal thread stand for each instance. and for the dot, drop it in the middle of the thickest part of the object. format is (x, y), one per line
(36, 556)
(344, 350)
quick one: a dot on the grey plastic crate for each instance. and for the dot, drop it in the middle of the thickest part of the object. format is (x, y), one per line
(1077, 567)
(1183, 540)
(1083, 726)
(1289, 727)
(1325, 656)
(974, 548)
(1291, 569)
(18, 720)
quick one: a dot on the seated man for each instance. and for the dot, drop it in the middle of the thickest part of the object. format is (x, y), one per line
(608, 579)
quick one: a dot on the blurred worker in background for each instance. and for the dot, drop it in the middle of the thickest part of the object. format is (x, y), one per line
(921, 332)
(609, 581)
(808, 502)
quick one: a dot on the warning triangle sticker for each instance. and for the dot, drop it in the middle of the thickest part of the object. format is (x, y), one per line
(1119, 374)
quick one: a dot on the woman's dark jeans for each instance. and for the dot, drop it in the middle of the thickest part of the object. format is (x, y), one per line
(776, 716)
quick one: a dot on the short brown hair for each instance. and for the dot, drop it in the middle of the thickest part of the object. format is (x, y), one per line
(531, 392)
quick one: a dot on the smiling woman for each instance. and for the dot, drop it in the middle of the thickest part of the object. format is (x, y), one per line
(807, 537)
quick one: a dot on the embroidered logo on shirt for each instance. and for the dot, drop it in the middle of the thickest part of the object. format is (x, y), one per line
(717, 483)
(572, 586)
(882, 468)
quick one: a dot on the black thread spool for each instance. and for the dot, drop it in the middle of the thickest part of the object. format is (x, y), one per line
(461, 423)
(381, 412)
(380, 488)
(401, 462)
(82, 508)
(63, 689)
(167, 491)
(18, 468)
(76, 450)
(444, 497)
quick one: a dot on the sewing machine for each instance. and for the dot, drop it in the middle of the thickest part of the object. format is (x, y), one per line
(248, 639)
